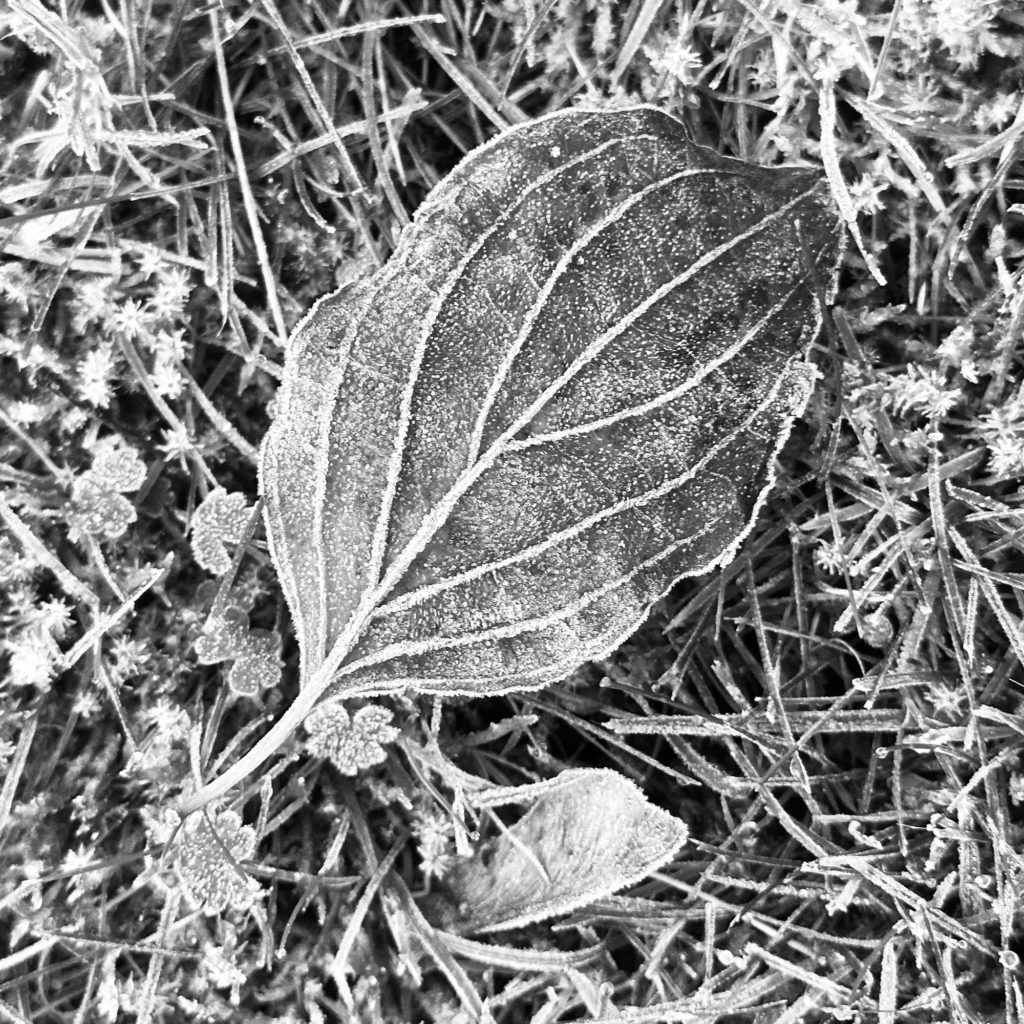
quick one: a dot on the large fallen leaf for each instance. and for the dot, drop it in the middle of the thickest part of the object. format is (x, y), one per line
(588, 833)
(564, 392)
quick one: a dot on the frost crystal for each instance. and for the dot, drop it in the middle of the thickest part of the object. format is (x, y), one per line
(352, 743)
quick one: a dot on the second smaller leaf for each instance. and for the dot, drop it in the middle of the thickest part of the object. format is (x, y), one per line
(589, 833)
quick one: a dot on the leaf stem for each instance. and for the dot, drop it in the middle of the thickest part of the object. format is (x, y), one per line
(264, 748)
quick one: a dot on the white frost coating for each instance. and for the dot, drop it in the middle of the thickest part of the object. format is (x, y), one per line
(394, 268)
(666, 397)
(398, 453)
(436, 518)
(519, 681)
(580, 526)
(560, 268)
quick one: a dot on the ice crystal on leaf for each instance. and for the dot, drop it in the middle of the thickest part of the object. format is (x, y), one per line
(352, 743)
(564, 392)
(208, 862)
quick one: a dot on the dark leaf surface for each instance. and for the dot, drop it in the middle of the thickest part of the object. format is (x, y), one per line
(564, 392)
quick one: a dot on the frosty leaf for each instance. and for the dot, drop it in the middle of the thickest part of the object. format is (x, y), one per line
(257, 668)
(207, 861)
(227, 637)
(563, 393)
(220, 520)
(224, 636)
(352, 744)
(97, 507)
(117, 467)
(99, 511)
(588, 834)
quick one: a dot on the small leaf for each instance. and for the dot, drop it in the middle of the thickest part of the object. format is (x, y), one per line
(224, 636)
(97, 507)
(589, 833)
(99, 511)
(207, 861)
(352, 744)
(219, 521)
(564, 392)
(227, 637)
(118, 467)
(258, 667)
